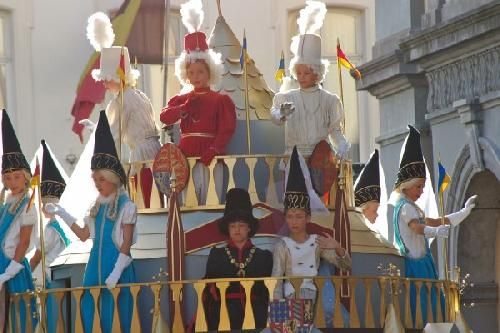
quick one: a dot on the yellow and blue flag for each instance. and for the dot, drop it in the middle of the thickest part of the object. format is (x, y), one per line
(444, 178)
(243, 54)
(280, 72)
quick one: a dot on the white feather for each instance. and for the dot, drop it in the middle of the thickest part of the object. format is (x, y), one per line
(311, 17)
(192, 15)
(100, 31)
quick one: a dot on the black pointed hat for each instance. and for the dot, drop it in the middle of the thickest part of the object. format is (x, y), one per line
(105, 155)
(296, 195)
(412, 163)
(12, 158)
(52, 183)
(238, 207)
(367, 187)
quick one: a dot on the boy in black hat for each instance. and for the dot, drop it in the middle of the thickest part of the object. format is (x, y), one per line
(239, 258)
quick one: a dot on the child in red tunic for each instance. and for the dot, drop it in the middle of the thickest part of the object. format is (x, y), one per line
(207, 118)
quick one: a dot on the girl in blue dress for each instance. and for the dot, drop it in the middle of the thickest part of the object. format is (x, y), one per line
(412, 228)
(110, 223)
(16, 223)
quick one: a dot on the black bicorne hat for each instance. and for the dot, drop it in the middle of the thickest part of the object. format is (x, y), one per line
(296, 195)
(238, 207)
(105, 155)
(12, 158)
(412, 163)
(52, 183)
(367, 187)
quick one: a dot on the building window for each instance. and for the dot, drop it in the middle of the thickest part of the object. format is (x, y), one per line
(153, 80)
(347, 25)
(5, 58)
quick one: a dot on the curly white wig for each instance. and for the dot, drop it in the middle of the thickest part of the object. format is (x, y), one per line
(319, 70)
(211, 58)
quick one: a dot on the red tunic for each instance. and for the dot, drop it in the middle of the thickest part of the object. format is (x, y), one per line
(207, 123)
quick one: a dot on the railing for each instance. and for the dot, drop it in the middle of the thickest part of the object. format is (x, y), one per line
(369, 296)
(261, 175)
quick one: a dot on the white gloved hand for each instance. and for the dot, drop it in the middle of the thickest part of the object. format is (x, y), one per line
(341, 144)
(122, 262)
(88, 124)
(441, 231)
(286, 109)
(56, 209)
(457, 217)
(11, 271)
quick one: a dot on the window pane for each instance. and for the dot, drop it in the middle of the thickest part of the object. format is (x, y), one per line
(340, 23)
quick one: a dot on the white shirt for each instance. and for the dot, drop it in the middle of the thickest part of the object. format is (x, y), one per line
(414, 242)
(318, 114)
(304, 263)
(127, 215)
(139, 131)
(21, 220)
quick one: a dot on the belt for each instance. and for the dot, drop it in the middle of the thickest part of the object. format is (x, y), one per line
(202, 135)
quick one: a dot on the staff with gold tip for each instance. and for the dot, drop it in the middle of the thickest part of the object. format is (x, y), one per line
(53, 239)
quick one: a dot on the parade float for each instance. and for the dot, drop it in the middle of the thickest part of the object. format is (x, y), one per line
(177, 227)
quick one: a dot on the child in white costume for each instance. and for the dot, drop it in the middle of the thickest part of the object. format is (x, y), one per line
(135, 111)
(310, 113)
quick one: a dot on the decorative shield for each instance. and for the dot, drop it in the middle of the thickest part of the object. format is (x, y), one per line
(169, 159)
(323, 168)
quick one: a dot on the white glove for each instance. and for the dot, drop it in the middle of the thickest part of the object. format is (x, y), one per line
(441, 231)
(11, 271)
(88, 124)
(286, 109)
(122, 262)
(56, 209)
(457, 217)
(341, 144)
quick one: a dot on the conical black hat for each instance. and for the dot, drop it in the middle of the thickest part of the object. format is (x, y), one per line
(368, 185)
(412, 163)
(105, 155)
(238, 207)
(296, 195)
(52, 183)
(12, 158)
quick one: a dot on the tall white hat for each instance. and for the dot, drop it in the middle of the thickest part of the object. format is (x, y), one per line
(101, 36)
(306, 46)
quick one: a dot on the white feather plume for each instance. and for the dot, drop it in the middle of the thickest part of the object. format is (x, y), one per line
(311, 17)
(100, 31)
(192, 15)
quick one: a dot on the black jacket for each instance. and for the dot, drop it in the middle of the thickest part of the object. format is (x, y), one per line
(219, 266)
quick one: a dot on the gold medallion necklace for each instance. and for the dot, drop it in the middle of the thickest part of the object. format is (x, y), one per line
(240, 265)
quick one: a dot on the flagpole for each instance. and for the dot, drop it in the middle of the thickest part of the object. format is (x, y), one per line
(42, 247)
(247, 103)
(165, 61)
(339, 69)
(120, 111)
(445, 242)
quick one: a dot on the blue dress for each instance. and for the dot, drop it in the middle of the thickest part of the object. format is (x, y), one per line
(102, 259)
(52, 308)
(421, 268)
(23, 281)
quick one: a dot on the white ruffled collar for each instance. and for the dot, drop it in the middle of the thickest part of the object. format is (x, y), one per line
(10, 198)
(105, 200)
